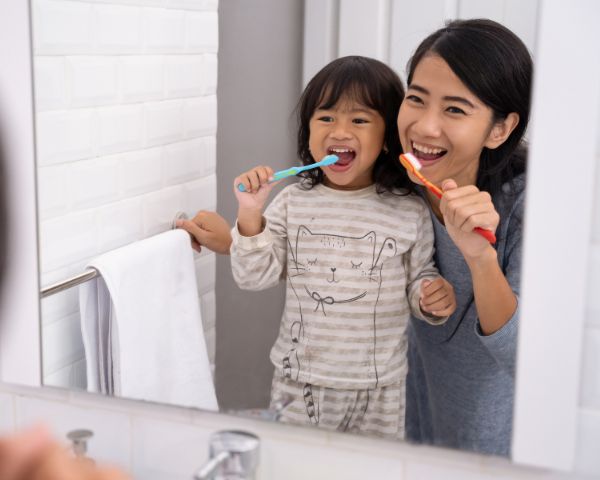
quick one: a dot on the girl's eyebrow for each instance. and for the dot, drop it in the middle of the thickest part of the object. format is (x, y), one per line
(361, 110)
(447, 98)
(352, 110)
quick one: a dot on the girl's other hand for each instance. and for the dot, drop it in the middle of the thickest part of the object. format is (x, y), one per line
(437, 297)
(256, 183)
(465, 208)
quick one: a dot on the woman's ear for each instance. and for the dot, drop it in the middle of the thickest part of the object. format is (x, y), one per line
(502, 130)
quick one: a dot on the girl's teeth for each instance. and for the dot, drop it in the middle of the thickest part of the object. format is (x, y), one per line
(340, 150)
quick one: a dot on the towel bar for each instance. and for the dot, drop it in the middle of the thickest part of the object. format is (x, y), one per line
(88, 274)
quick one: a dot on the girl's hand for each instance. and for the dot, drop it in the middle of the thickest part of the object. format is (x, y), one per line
(256, 182)
(465, 208)
(252, 201)
(437, 297)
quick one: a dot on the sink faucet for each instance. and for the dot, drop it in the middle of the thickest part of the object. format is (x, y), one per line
(233, 456)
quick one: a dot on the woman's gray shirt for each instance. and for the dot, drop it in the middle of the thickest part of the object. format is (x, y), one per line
(460, 384)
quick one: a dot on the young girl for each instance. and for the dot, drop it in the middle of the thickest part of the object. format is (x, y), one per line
(356, 251)
(464, 116)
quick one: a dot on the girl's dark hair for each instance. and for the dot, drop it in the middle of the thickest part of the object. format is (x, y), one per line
(370, 83)
(496, 66)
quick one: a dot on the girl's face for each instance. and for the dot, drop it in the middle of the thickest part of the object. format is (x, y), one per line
(353, 132)
(443, 124)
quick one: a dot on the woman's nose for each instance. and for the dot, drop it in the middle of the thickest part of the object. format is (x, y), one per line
(428, 125)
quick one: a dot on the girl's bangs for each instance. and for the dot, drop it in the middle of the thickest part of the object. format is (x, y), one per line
(346, 90)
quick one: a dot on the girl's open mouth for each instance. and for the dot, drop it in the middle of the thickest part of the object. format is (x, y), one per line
(345, 154)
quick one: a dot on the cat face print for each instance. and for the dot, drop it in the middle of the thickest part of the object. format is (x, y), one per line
(335, 263)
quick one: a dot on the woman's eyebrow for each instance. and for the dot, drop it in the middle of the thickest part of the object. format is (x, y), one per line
(447, 98)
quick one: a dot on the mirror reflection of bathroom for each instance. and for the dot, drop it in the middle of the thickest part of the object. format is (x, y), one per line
(144, 111)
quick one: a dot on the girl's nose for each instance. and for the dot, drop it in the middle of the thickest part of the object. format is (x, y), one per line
(340, 131)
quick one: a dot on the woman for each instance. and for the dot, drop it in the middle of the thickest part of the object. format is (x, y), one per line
(464, 115)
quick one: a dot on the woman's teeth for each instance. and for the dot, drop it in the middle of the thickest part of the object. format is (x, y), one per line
(427, 150)
(427, 153)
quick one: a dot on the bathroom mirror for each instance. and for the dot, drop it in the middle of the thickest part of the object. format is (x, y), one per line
(144, 110)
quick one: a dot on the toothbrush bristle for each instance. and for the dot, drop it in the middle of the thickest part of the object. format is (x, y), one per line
(412, 160)
(329, 160)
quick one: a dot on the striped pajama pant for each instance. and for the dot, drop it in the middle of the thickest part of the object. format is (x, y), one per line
(377, 412)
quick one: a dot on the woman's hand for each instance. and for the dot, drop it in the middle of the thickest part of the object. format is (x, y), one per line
(437, 297)
(465, 208)
(208, 229)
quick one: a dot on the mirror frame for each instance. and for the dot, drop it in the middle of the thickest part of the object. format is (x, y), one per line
(549, 350)
(545, 384)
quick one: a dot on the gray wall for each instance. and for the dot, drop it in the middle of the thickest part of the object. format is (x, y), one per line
(260, 75)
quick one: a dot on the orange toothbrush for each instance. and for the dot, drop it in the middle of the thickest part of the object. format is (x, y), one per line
(412, 165)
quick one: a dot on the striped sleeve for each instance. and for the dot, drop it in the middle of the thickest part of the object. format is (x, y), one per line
(420, 266)
(259, 262)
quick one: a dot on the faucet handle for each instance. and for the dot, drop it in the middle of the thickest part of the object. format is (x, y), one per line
(233, 454)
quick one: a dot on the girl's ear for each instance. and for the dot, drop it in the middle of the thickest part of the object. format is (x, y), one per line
(502, 130)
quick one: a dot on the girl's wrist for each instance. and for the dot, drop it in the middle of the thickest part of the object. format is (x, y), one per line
(250, 221)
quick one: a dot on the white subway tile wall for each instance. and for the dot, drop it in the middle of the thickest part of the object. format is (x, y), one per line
(50, 74)
(125, 98)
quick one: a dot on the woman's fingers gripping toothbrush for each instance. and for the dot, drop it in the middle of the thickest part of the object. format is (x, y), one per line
(437, 297)
(464, 209)
(412, 164)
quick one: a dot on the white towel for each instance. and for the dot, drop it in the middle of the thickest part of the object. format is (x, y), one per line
(141, 324)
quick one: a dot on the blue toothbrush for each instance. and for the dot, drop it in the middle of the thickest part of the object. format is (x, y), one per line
(327, 160)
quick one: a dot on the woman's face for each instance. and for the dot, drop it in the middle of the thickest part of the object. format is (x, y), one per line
(443, 123)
